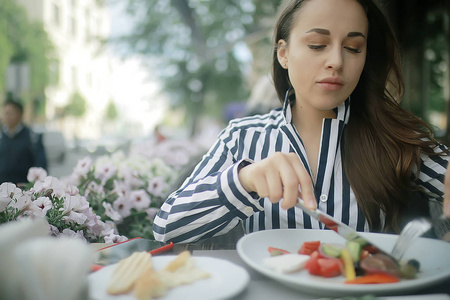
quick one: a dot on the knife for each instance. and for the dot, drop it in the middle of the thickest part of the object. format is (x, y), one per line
(340, 228)
(116, 252)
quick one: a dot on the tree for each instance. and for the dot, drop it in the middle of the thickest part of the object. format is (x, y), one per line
(111, 111)
(77, 106)
(198, 46)
(24, 41)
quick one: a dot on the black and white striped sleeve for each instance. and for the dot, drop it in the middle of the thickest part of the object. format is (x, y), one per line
(211, 201)
(432, 173)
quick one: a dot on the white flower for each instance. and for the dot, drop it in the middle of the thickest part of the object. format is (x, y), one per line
(122, 206)
(110, 227)
(96, 188)
(140, 199)
(72, 190)
(121, 189)
(4, 201)
(72, 234)
(151, 212)
(83, 166)
(76, 217)
(50, 183)
(43, 203)
(156, 186)
(53, 230)
(105, 171)
(110, 212)
(21, 202)
(9, 190)
(36, 174)
(75, 203)
(95, 225)
(114, 238)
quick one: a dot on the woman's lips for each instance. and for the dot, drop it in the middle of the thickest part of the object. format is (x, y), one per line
(331, 83)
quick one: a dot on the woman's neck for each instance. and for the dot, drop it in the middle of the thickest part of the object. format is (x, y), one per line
(309, 121)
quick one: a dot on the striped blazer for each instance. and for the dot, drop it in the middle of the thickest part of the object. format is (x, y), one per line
(212, 201)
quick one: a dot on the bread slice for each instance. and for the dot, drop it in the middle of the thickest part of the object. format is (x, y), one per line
(127, 271)
(148, 286)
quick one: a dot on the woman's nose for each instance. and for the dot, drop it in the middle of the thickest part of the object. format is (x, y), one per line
(335, 60)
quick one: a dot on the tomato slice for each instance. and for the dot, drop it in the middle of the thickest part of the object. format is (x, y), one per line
(312, 265)
(329, 267)
(308, 248)
(325, 267)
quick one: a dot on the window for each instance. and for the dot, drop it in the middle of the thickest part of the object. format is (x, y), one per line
(56, 15)
(73, 26)
(54, 72)
(88, 26)
(74, 78)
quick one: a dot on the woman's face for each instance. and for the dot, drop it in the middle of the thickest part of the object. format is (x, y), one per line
(326, 52)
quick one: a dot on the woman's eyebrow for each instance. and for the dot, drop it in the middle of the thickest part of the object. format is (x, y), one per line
(319, 31)
(327, 32)
(355, 33)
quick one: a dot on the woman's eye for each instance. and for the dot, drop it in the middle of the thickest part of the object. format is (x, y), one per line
(354, 50)
(316, 47)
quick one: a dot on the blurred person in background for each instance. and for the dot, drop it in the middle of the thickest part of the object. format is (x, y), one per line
(20, 147)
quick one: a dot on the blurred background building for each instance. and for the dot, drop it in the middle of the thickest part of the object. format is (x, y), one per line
(81, 81)
(102, 74)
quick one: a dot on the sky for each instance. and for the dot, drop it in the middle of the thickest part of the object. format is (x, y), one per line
(137, 94)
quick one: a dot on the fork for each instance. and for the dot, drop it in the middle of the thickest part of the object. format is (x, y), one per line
(410, 232)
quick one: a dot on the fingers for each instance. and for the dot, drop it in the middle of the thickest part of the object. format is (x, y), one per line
(447, 193)
(279, 177)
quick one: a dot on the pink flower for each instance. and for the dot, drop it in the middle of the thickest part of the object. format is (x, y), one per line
(140, 200)
(36, 174)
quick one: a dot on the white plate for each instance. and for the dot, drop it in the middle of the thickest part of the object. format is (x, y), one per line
(227, 280)
(433, 255)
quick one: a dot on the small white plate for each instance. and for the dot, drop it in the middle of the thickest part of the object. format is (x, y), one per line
(227, 280)
(433, 255)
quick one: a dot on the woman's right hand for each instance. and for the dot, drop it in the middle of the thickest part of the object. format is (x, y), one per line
(279, 177)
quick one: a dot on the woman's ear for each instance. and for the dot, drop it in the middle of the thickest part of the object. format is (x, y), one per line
(282, 53)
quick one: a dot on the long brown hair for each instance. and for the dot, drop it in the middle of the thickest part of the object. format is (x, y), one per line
(382, 141)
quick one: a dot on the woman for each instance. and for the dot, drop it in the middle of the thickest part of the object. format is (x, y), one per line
(340, 137)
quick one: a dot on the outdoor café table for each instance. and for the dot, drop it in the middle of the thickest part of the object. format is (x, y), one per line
(261, 287)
